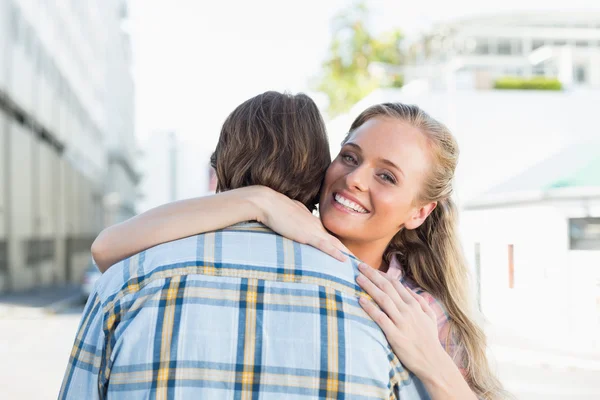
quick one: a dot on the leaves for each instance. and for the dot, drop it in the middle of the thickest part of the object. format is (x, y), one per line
(346, 78)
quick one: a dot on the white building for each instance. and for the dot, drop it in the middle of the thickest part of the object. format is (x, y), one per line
(122, 175)
(174, 169)
(473, 52)
(61, 82)
(538, 235)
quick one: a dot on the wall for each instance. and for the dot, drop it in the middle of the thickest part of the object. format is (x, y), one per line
(555, 293)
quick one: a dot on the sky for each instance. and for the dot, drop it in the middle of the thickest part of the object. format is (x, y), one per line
(195, 61)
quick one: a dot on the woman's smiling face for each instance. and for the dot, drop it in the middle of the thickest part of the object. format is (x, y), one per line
(370, 189)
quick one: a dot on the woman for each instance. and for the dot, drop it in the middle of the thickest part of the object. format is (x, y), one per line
(386, 197)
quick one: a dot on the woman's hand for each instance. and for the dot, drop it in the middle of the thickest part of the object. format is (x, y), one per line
(410, 326)
(293, 220)
(405, 317)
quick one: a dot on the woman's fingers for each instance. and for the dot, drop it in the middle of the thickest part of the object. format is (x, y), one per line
(327, 247)
(404, 293)
(425, 306)
(380, 317)
(385, 301)
(337, 243)
(383, 282)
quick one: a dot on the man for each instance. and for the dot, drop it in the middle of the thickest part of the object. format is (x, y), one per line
(241, 312)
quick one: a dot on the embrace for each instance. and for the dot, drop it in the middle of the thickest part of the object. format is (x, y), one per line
(246, 294)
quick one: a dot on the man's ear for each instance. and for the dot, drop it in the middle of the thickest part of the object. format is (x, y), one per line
(420, 215)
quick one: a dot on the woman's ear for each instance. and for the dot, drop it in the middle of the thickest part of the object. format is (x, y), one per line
(420, 215)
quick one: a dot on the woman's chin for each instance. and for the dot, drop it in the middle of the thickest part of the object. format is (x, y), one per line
(338, 228)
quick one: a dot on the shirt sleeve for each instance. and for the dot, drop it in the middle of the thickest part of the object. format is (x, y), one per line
(81, 380)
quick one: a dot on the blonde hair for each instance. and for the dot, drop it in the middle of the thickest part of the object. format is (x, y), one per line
(431, 255)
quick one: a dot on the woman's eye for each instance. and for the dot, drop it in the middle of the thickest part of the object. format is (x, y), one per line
(348, 158)
(388, 178)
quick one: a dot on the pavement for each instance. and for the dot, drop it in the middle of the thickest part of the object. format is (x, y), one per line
(509, 345)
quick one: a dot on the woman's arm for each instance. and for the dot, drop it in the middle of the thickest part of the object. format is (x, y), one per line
(204, 214)
(410, 326)
(175, 221)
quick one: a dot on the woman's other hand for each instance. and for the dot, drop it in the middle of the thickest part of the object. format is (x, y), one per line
(293, 220)
(410, 326)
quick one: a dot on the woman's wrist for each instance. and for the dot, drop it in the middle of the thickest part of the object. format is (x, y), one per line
(256, 200)
(443, 379)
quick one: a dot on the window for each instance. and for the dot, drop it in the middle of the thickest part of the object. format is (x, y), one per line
(482, 46)
(580, 74)
(584, 233)
(504, 47)
(517, 47)
(536, 44)
(3, 256)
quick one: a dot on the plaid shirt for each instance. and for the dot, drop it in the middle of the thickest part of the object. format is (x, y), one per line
(240, 313)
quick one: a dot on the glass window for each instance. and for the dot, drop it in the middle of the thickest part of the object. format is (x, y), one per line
(536, 44)
(504, 47)
(580, 74)
(482, 46)
(584, 233)
(517, 47)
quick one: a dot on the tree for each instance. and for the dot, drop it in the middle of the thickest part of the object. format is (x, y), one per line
(345, 75)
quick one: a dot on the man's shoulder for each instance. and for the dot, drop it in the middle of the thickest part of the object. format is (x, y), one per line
(242, 250)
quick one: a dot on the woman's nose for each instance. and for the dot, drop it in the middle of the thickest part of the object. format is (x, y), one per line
(357, 179)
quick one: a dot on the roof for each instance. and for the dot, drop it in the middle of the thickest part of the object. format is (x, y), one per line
(573, 173)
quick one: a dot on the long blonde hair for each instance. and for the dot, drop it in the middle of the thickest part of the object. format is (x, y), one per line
(431, 255)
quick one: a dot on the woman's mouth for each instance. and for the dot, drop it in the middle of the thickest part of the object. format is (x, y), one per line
(347, 204)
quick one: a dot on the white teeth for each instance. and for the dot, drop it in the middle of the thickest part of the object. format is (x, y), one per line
(349, 204)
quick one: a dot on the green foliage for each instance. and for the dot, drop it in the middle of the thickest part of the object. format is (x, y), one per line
(535, 83)
(345, 75)
(397, 81)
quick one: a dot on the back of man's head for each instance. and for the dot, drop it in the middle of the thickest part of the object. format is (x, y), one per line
(276, 140)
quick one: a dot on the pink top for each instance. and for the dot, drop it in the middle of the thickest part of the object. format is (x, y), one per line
(443, 320)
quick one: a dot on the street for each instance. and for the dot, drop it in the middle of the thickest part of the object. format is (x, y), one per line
(37, 344)
(35, 350)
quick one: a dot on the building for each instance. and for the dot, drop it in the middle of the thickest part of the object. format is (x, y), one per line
(121, 177)
(174, 169)
(66, 93)
(538, 240)
(474, 52)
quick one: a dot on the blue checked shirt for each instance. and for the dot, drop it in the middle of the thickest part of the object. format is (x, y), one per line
(240, 313)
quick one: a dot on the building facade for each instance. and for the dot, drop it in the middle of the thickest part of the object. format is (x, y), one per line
(59, 78)
(174, 169)
(537, 235)
(473, 52)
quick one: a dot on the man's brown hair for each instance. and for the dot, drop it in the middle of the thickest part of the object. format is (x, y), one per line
(277, 140)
